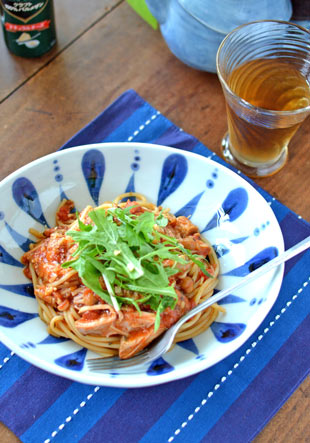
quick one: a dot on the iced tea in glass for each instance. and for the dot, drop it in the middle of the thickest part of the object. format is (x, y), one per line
(264, 69)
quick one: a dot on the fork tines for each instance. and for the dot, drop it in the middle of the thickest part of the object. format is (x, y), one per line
(115, 363)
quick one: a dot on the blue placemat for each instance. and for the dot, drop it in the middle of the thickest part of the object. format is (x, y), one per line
(229, 402)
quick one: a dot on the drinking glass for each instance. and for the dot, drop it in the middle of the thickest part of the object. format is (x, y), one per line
(264, 70)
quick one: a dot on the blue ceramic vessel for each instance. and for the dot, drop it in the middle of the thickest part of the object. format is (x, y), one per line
(194, 29)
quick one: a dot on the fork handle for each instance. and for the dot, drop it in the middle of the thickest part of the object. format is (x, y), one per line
(286, 255)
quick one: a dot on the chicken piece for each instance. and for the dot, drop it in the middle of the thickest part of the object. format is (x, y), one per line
(196, 244)
(137, 340)
(133, 320)
(185, 227)
(97, 326)
(89, 297)
(110, 323)
(47, 257)
(135, 328)
(171, 316)
(187, 284)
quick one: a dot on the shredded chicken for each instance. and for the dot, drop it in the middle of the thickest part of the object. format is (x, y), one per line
(136, 329)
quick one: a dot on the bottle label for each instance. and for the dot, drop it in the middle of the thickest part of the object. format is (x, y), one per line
(11, 27)
(23, 11)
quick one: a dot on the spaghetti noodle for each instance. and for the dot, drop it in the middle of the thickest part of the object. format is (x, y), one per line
(119, 275)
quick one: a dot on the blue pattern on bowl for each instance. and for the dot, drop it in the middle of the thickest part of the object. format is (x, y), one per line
(7, 258)
(27, 198)
(255, 262)
(159, 366)
(10, 318)
(232, 207)
(189, 345)
(25, 289)
(23, 242)
(173, 173)
(93, 167)
(50, 339)
(74, 361)
(226, 332)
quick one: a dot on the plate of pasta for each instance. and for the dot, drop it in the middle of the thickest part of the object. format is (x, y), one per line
(103, 247)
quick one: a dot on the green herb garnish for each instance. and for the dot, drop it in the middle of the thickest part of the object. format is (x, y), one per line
(127, 252)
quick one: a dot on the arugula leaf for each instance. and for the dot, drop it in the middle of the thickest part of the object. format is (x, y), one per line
(161, 220)
(108, 277)
(83, 226)
(127, 233)
(132, 264)
(147, 288)
(145, 224)
(127, 252)
(104, 224)
(164, 303)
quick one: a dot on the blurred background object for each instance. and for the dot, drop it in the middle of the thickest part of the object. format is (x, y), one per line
(194, 29)
(301, 9)
(301, 12)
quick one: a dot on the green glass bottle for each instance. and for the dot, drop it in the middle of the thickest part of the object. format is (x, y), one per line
(28, 26)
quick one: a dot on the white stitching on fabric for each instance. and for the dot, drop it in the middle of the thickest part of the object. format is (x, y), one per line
(235, 366)
(6, 359)
(141, 127)
(75, 411)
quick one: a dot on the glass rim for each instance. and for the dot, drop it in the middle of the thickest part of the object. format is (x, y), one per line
(263, 111)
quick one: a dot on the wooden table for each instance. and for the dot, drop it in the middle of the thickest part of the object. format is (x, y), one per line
(104, 48)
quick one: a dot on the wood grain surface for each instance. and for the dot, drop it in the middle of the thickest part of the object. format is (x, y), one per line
(104, 48)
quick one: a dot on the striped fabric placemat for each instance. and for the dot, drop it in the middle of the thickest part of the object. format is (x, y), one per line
(229, 402)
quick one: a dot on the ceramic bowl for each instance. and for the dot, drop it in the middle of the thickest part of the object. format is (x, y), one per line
(229, 212)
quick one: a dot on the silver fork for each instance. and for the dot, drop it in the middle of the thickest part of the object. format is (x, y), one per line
(163, 343)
